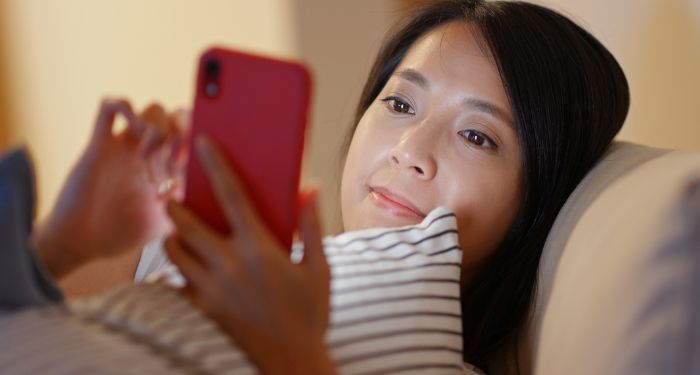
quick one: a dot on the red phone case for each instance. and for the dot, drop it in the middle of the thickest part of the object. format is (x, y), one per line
(255, 113)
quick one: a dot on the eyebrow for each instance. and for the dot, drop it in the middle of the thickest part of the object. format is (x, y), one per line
(489, 108)
(414, 76)
(480, 105)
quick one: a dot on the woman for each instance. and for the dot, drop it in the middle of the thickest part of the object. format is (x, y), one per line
(494, 109)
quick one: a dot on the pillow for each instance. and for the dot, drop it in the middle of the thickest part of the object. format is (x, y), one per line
(626, 292)
(394, 307)
(620, 158)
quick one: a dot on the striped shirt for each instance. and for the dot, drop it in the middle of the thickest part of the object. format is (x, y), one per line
(394, 309)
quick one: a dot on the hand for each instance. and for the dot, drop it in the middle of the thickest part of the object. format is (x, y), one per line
(111, 201)
(275, 310)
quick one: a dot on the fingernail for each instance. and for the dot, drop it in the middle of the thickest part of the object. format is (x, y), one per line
(309, 197)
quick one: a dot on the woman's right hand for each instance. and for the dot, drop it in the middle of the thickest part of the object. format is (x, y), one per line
(114, 198)
(277, 311)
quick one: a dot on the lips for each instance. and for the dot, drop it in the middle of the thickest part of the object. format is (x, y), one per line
(394, 203)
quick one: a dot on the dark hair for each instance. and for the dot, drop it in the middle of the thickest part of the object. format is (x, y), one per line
(569, 98)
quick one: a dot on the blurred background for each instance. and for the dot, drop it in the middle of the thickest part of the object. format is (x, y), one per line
(58, 58)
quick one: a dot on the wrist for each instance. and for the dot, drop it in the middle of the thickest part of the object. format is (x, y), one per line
(57, 255)
(319, 362)
(324, 364)
(315, 361)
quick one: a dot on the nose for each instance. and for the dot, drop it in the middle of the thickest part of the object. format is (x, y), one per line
(414, 152)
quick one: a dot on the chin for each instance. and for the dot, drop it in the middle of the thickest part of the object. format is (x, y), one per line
(367, 216)
(386, 220)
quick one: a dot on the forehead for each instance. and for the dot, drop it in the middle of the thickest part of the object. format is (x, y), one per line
(454, 55)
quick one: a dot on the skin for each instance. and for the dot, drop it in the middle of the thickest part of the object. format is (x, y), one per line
(118, 174)
(426, 142)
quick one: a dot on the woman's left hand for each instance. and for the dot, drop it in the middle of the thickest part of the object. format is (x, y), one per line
(275, 310)
(114, 199)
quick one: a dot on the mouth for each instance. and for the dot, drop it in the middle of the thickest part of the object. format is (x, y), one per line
(394, 203)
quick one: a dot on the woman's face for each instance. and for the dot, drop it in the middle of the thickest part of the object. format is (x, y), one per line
(440, 133)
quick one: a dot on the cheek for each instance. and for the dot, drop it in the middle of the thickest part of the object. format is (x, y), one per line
(348, 187)
(365, 156)
(485, 205)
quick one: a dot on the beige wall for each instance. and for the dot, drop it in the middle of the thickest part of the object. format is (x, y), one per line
(61, 57)
(4, 110)
(657, 42)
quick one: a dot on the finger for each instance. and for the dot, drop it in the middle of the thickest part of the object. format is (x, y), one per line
(187, 291)
(178, 125)
(230, 192)
(182, 119)
(109, 109)
(154, 124)
(202, 288)
(204, 242)
(163, 146)
(194, 272)
(312, 235)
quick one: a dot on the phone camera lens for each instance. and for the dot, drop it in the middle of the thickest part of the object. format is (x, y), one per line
(211, 89)
(212, 68)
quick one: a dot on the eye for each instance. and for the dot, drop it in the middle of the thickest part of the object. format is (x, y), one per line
(398, 105)
(478, 138)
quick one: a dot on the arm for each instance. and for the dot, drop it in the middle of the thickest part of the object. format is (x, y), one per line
(100, 275)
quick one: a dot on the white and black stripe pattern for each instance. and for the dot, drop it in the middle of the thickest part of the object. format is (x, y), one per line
(395, 303)
(135, 329)
(395, 308)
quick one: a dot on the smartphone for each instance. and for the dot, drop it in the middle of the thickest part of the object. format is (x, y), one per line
(255, 109)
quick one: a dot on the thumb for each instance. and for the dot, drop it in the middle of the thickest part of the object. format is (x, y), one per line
(311, 234)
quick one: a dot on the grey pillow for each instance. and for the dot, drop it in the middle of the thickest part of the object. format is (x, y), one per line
(625, 297)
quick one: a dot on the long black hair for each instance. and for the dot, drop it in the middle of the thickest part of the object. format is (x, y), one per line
(569, 98)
